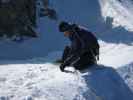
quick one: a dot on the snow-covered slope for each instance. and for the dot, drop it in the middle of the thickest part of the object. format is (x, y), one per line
(115, 55)
(38, 79)
(47, 82)
(120, 10)
(89, 13)
(49, 38)
(127, 74)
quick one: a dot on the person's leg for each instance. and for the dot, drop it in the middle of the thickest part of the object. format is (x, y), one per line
(85, 61)
(66, 53)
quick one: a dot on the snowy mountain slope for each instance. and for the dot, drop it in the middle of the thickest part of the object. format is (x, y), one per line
(87, 13)
(115, 55)
(47, 82)
(120, 10)
(127, 74)
(48, 29)
(37, 79)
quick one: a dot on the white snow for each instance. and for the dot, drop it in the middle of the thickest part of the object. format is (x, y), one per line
(38, 81)
(127, 73)
(120, 10)
(47, 82)
(115, 55)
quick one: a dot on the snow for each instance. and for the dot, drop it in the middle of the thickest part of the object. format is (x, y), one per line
(127, 74)
(120, 10)
(117, 55)
(39, 81)
(47, 82)
(27, 72)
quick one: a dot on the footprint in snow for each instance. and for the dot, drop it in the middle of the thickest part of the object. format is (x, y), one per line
(43, 69)
(37, 92)
(2, 79)
(28, 98)
(17, 82)
(4, 98)
(30, 85)
(30, 75)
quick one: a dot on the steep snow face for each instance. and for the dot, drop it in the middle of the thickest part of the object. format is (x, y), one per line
(120, 10)
(44, 81)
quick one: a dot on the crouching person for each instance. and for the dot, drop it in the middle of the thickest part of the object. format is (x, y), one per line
(84, 48)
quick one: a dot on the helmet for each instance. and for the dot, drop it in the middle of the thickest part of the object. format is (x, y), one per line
(64, 26)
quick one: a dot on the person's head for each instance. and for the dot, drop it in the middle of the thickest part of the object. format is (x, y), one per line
(66, 28)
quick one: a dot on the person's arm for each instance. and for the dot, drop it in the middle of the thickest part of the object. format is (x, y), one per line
(74, 57)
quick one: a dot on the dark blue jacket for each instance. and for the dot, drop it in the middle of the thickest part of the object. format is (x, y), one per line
(82, 39)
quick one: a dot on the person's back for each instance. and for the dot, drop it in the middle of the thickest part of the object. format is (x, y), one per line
(90, 40)
(85, 39)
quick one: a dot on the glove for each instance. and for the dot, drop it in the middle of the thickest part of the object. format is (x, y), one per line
(62, 67)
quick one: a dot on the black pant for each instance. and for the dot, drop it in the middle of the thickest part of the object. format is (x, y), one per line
(86, 58)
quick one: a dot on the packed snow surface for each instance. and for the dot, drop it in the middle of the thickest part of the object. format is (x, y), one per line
(44, 81)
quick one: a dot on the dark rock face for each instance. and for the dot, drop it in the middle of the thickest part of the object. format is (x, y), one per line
(17, 17)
